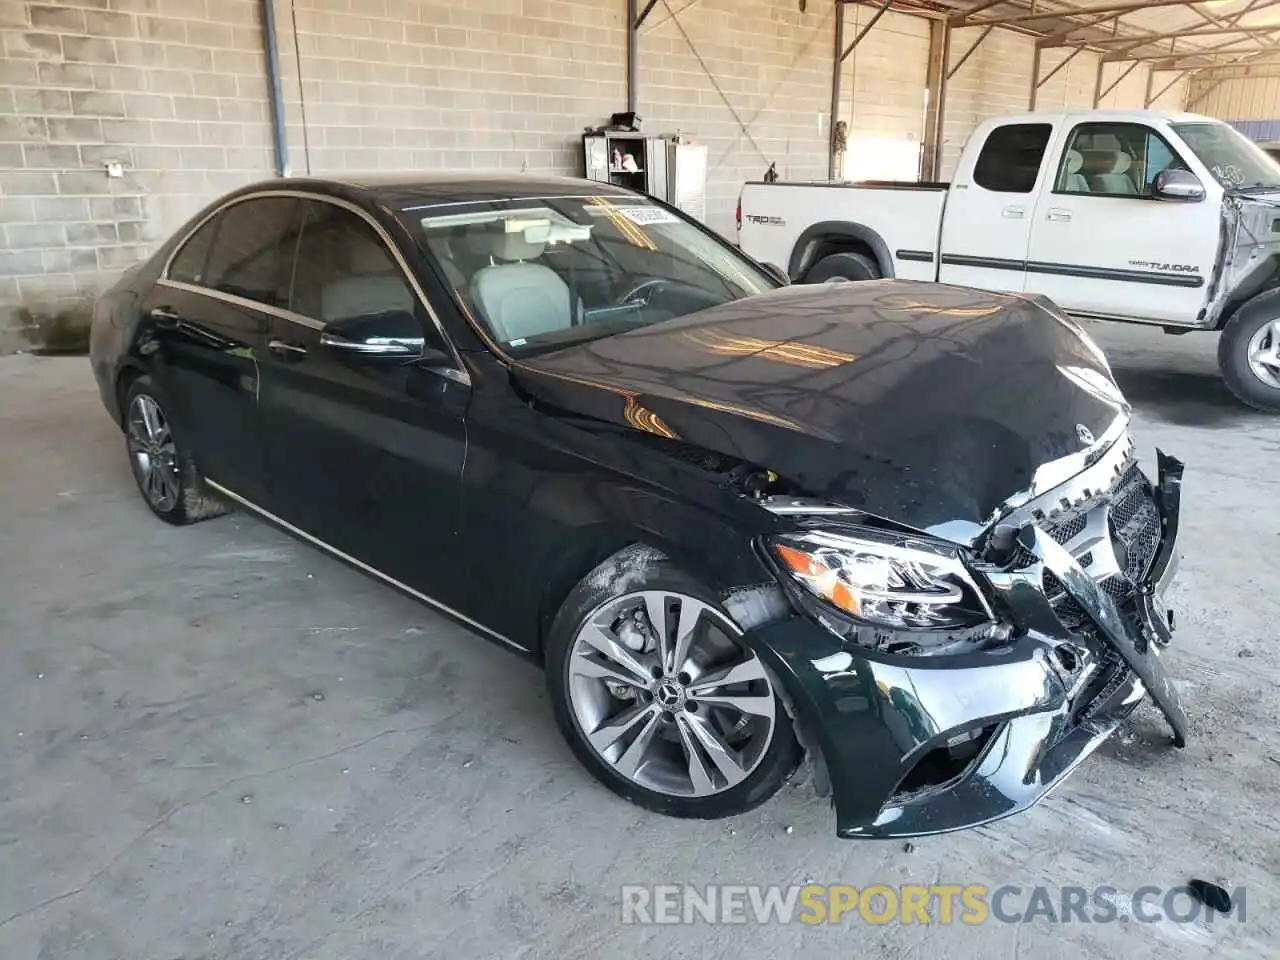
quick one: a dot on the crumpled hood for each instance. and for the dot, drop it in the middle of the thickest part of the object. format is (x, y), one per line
(924, 404)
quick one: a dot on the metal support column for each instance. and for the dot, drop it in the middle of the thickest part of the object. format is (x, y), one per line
(274, 95)
(936, 106)
(1035, 79)
(635, 20)
(837, 71)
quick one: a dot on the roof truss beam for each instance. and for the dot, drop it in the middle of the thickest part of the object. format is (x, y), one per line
(1114, 9)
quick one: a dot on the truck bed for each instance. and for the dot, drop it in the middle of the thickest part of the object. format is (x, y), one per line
(908, 213)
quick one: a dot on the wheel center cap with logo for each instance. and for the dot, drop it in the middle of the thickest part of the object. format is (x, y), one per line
(669, 695)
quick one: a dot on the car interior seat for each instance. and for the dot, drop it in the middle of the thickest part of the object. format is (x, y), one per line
(371, 283)
(1117, 179)
(518, 297)
(1075, 181)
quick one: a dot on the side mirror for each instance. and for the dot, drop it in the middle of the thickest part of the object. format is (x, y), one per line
(390, 335)
(1180, 185)
(777, 273)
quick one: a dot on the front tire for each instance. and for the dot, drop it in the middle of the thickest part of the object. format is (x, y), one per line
(682, 719)
(843, 266)
(162, 466)
(1249, 356)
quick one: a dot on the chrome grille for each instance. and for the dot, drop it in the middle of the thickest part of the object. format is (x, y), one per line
(1131, 519)
(1065, 530)
(1135, 524)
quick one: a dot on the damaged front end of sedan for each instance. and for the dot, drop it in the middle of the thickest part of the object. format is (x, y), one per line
(953, 684)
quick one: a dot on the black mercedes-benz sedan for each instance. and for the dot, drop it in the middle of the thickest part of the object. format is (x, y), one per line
(897, 529)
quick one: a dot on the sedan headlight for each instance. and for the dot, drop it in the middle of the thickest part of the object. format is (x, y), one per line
(884, 579)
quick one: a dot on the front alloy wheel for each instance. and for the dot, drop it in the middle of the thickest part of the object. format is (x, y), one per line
(665, 703)
(665, 694)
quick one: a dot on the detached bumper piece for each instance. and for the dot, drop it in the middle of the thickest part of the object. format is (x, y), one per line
(915, 747)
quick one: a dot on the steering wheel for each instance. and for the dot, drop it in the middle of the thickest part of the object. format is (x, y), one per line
(637, 295)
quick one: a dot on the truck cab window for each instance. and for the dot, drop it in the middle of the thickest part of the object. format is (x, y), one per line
(1010, 159)
(1114, 160)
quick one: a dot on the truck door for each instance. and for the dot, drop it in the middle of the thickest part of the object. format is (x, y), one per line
(987, 225)
(1102, 245)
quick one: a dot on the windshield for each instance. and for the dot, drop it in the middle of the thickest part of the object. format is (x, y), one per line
(540, 274)
(1234, 159)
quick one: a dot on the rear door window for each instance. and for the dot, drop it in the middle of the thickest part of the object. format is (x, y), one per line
(189, 263)
(1011, 158)
(252, 255)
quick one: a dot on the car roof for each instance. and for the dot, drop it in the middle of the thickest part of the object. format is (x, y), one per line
(406, 191)
(1055, 116)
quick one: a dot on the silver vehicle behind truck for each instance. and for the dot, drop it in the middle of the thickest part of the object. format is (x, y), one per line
(1138, 216)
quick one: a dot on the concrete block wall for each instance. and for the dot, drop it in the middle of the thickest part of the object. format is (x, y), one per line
(772, 65)
(446, 85)
(510, 84)
(172, 89)
(1071, 88)
(176, 92)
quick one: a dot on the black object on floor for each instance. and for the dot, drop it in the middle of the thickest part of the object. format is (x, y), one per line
(1211, 895)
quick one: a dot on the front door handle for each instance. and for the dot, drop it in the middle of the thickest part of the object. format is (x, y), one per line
(164, 316)
(1013, 213)
(286, 350)
(1060, 215)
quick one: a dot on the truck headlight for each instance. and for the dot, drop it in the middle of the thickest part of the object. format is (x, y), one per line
(884, 579)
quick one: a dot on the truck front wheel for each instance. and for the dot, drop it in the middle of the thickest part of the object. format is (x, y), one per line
(1249, 354)
(843, 266)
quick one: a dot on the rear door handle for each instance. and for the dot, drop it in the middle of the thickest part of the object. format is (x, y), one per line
(1062, 215)
(164, 316)
(286, 350)
(1013, 213)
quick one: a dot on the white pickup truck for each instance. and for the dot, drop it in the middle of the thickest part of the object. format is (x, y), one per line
(1139, 216)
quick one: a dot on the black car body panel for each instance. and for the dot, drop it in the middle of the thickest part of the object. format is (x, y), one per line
(489, 485)
(926, 405)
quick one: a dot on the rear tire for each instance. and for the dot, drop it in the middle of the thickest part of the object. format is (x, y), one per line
(683, 753)
(162, 465)
(843, 266)
(1249, 356)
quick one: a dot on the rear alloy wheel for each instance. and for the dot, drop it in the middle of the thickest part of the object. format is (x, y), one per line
(1249, 356)
(166, 476)
(843, 266)
(664, 702)
(152, 454)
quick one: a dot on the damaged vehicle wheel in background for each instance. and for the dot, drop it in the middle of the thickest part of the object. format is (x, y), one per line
(899, 529)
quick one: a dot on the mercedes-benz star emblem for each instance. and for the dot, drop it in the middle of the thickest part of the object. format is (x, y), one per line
(668, 695)
(1085, 434)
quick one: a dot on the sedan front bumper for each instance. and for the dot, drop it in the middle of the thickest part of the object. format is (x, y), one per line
(929, 745)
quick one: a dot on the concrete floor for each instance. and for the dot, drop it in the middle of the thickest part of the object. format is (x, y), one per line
(216, 742)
